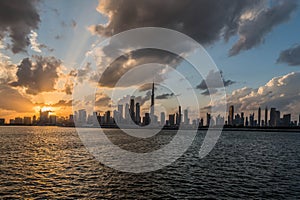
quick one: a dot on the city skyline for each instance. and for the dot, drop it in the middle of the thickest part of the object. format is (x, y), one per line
(40, 68)
(131, 114)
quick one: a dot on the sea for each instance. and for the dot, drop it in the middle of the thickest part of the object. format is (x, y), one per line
(53, 163)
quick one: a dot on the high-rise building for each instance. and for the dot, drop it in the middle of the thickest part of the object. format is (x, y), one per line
(132, 113)
(127, 115)
(27, 120)
(52, 119)
(186, 117)
(82, 116)
(162, 118)
(259, 117)
(251, 117)
(219, 120)
(231, 115)
(277, 121)
(286, 120)
(120, 110)
(172, 120)
(95, 119)
(179, 115)
(146, 119)
(152, 101)
(272, 117)
(208, 118)
(137, 113)
(107, 117)
(242, 119)
(266, 116)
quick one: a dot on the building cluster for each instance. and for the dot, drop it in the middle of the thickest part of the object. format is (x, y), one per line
(131, 115)
(45, 119)
(266, 118)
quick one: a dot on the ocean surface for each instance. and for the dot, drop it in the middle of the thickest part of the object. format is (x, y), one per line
(52, 163)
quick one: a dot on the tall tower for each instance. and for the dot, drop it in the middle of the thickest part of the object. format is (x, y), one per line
(272, 117)
(137, 113)
(259, 116)
(132, 113)
(231, 114)
(266, 116)
(152, 101)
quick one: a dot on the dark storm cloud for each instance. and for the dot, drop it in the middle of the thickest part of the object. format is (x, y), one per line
(123, 64)
(38, 76)
(290, 56)
(205, 21)
(215, 80)
(253, 32)
(165, 96)
(17, 19)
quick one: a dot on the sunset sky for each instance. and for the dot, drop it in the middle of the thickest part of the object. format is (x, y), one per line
(44, 44)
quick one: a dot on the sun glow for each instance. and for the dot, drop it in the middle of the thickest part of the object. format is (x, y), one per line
(47, 108)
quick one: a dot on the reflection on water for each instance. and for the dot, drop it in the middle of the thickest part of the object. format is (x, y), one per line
(51, 162)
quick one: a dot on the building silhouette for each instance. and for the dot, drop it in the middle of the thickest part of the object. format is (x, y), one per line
(259, 117)
(266, 116)
(231, 115)
(152, 101)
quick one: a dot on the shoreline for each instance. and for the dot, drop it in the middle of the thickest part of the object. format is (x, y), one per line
(226, 129)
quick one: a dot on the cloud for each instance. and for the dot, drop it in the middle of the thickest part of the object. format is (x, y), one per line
(117, 69)
(81, 74)
(253, 31)
(206, 21)
(17, 19)
(103, 101)
(215, 80)
(165, 96)
(68, 88)
(38, 76)
(13, 100)
(35, 46)
(290, 56)
(146, 87)
(281, 92)
(62, 103)
(7, 72)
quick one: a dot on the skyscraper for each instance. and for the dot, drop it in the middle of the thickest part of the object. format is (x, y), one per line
(208, 118)
(231, 114)
(266, 116)
(120, 110)
(132, 113)
(259, 116)
(162, 118)
(82, 116)
(172, 119)
(137, 113)
(272, 117)
(152, 101)
(180, 115)
(186, 117)
(127, 115)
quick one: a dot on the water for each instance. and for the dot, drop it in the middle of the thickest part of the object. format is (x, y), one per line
(51, 162)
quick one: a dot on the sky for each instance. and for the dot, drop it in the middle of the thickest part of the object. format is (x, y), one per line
(50, 48)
